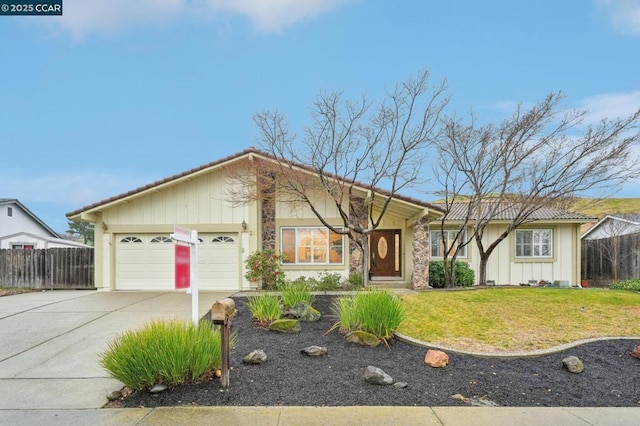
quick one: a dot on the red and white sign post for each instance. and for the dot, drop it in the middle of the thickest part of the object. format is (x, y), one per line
(186, 265)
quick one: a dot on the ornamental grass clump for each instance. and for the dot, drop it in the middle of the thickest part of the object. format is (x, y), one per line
(297, 291)
(265, 308)
(378, 312)
(169, 352)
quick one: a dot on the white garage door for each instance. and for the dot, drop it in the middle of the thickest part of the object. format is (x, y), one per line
(146, 262)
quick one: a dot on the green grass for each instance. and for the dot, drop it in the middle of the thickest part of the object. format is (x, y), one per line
(519, 319)
(378, 312)
(169, 352)
(265, 308)
(297, 291)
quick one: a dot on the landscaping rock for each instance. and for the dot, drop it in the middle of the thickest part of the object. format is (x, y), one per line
(376, 376)
(291, 326)
(314, 351)
(436, 359)
(400, 385)
(475, 402)
(573, 364)
(256, 357)
(304, 312)
(114, 396)
(636, 352)
(363, 338)
(159, 388)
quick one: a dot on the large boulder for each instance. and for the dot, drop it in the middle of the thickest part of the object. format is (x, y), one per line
(304, 312)
(376, 376)
(285, 325)
(573, 364)
(363, 338)
(436, 359)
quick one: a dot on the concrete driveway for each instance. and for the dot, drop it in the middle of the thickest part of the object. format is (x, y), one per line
(50, 342)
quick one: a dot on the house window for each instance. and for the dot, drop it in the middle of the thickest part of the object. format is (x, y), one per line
(131, 240)
(534, 243)
(311, 246)
(9, 211)
(438, 246)
(161, 240)
(223, 239)
(23, 246)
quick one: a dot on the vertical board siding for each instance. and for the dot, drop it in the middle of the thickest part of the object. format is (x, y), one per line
(56, 268)
(599, 256)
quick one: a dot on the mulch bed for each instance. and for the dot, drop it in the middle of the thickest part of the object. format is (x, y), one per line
(610, 378)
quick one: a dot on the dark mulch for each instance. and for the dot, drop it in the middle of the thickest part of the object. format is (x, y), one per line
(611, 376)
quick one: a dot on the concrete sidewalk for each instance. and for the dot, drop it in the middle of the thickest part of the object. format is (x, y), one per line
(49, 372)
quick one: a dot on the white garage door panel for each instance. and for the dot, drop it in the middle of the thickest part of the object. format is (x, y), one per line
(145, 265)
(218, 268)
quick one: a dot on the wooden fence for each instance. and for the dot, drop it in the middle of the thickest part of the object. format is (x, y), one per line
(56, 268)
(606, 258)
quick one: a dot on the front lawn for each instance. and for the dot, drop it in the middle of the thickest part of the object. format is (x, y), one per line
(519, 319)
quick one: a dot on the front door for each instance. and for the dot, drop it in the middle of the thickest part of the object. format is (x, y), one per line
(385, 253)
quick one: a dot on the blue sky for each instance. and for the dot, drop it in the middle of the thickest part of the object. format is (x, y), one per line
(115, 94)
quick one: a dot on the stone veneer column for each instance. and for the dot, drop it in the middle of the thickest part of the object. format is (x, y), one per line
(357, 215)
(420, 254)
(269, 218)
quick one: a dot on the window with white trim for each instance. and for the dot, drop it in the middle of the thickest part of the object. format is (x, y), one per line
(131, 240)
(438, 246)
(534, 243)
(223, 239)
(161, 240)
(311, 246)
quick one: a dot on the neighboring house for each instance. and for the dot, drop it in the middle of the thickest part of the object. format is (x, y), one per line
(21, 229)
(546, 248)
(614, 225)
(134, 250)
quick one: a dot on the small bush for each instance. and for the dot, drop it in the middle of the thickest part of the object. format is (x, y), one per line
(264, 267)
(328, 281)
(356, 280)
(265, 308)
(378, 312)
(170, 352)
(465, 276)
(296, 291)
(631, 285)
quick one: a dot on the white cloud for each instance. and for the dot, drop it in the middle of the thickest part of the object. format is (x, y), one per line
(610, 105)
(624, 15)
(84, 17)
(275, 15)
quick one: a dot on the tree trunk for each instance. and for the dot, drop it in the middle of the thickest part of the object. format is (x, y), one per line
(482, 273)
(365, 260)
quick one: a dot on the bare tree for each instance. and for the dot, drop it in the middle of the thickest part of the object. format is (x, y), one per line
(537, 158)
(350, 146)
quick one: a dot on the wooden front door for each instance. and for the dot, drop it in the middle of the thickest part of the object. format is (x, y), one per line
(385, 253)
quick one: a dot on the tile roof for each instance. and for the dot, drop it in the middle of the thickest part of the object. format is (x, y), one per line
(509, 211)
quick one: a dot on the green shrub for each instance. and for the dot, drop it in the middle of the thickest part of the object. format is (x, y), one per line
(264, 267)
(328, 281)
(631, 285)
(356, 280)
(169, 352)
(296, 291)
(378, 312)
(265, 308)
(465, 276)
